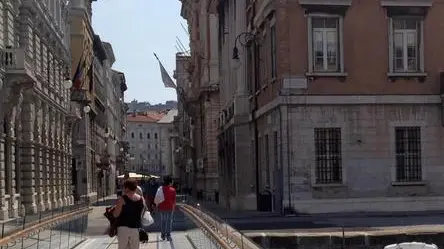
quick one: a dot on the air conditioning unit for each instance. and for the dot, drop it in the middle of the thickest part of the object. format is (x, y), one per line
(200, 163)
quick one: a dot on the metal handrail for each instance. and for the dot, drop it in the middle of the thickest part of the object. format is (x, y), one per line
(44, 224)
(204, 226)
(223, 233)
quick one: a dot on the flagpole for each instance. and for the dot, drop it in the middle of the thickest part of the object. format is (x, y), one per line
(179, 89)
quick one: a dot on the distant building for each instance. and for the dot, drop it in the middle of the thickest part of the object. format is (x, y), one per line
(135, 106)
(150, 137)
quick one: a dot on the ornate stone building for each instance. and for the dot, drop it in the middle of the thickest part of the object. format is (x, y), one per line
(202, 98)
(36, 115)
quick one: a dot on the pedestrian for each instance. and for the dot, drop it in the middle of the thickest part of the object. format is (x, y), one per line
(129, 211)
(166, 207)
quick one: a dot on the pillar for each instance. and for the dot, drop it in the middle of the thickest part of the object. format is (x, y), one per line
(63, 152)
(69, 156)
(3, 203)
(52, 161)
(46, 153)
(27, 153)
(13, 184)
(38, 155)
(58, 159)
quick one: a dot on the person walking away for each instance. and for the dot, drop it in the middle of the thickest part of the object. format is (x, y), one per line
(129, 211)
(166, 207)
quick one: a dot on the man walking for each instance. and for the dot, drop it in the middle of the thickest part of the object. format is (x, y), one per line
(166, 206)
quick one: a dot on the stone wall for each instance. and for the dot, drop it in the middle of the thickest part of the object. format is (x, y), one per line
(368, 158)
(346, 242)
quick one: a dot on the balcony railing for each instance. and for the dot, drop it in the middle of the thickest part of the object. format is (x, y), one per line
(16, 61)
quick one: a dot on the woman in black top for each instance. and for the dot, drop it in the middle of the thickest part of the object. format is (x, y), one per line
(129, 210)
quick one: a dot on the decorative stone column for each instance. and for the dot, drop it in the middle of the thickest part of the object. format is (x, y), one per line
(52, 161)
(3, 203)
(13, 157)
(38, 155)
(64, 176)
(58, 156)
(27, 153)
(46, 154)
(71, 121)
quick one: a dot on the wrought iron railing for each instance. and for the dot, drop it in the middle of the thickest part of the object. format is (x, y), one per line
(213, 231)
(58, 228)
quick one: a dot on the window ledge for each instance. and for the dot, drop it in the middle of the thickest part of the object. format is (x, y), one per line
(326, 74)
(407, 74)
(327, 185)
(420, 183)
(326, 2)
(315, 75)
(420, 75)
(406, 3)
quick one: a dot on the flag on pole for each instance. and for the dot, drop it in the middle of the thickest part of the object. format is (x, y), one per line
(167, 81)
(78, 75)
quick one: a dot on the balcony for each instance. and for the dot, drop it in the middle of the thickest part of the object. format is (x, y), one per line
(74, 113)
(17, 64)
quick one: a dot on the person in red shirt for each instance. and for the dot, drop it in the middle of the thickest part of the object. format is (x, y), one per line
(166, 208)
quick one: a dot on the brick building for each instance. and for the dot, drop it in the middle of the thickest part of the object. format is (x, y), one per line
(345, 102)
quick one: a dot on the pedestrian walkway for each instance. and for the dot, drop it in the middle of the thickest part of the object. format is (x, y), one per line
(181, 240)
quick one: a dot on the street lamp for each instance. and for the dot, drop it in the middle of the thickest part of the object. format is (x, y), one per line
(243, 39)
(86, 109)
(67, 83)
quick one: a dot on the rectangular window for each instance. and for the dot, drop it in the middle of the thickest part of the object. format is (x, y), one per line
(325, 43)
(406, 50)
(408, 154)
(273, 51)
(267, 162)
(328, 153)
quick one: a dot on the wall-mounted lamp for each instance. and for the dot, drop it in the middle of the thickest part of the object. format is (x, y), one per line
(67, 83)
(243, 39)
(86, 109)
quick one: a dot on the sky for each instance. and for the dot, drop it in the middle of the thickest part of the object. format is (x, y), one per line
(136, 29)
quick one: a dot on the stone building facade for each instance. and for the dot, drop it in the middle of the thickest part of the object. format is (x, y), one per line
(203, 95)
(36, 115)
(346, 100)
(150, 139)
(116, 120)
(184, 145)
(82, 47)
(235, 141)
